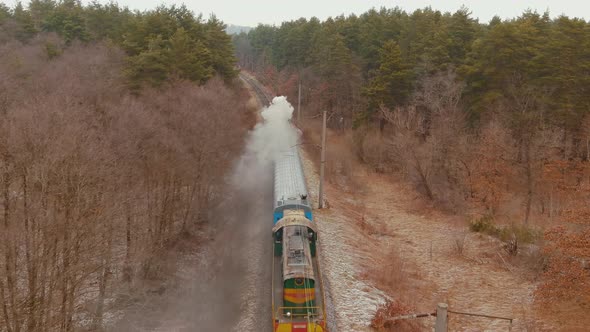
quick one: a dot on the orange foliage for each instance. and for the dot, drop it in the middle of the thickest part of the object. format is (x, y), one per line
(567, 276)
(492, 168)
(287, 86)
(568, 273)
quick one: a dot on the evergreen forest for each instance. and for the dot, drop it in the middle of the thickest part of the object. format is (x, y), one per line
(163, 43)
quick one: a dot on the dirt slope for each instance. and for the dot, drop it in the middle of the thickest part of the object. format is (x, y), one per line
(377, 244)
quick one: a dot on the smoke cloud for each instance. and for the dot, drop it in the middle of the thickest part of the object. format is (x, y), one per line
(266, 142)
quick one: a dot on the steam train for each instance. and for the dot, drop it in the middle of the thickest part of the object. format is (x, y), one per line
(297, 289)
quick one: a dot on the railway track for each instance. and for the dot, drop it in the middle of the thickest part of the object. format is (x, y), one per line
(326, 300)
(262, 96)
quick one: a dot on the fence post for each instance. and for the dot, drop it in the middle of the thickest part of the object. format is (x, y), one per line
(441, 318)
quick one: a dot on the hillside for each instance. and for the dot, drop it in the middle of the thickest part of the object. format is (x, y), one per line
(486, 122)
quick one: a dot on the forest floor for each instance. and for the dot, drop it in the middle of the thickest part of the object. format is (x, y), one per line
(380, 241)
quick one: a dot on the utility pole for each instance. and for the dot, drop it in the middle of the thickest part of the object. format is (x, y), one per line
(322, 163)
(299, 106)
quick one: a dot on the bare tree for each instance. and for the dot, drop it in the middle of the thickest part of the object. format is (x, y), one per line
(429, 140)
(88, 171)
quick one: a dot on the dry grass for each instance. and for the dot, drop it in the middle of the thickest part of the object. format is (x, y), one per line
(420, 256)
(383, 321)
(395, 275)
(459, 241)
(391, 274)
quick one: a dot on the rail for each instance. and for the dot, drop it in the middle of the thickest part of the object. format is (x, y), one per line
(322, 289)
(262, 96)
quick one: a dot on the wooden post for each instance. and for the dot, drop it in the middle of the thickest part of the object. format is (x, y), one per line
(322, 164)
(299, 105)
(441, 318)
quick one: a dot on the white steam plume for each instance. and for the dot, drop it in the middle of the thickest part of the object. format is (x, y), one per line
(266, 141)
(276, 134)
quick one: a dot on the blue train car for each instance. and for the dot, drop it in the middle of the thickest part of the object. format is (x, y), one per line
(290, 192)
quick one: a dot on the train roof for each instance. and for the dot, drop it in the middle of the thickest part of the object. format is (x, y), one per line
(289, 181)
(297, 261)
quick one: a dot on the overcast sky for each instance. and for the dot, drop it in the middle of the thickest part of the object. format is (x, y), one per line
(252, 12)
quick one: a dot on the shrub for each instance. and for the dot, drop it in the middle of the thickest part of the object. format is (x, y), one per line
(482, 225)
(518, 233)
(382, 319)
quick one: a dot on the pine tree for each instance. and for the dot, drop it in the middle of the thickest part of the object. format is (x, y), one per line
(150, 67)
(462, 32)
(4, 13)
(107, 21)
(506, 67)
(40, 10)
(392, 84)
(67, 20)
(567, 65)
(218, 42)
(25, 25)
(189, 60)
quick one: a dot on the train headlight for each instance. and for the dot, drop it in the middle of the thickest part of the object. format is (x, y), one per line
(288, 314)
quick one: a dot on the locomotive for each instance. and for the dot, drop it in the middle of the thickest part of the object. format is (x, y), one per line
(297, 289)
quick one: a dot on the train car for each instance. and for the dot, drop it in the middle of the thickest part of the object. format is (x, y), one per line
(289, 185)
(298, 295)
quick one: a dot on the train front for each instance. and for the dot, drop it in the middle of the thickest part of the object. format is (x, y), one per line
(297, 291)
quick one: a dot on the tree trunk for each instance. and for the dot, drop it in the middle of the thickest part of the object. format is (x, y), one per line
(423, 178)
(5, 307)
(104, 276)
(588, 148)
(10, 256)
(127, 271)
(30, 263)
(529, 180)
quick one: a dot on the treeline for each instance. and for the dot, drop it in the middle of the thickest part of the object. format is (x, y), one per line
(167, 42)
(533, 61)
(485, 118)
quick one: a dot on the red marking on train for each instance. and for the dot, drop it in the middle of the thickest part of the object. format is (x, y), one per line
(300, 327)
